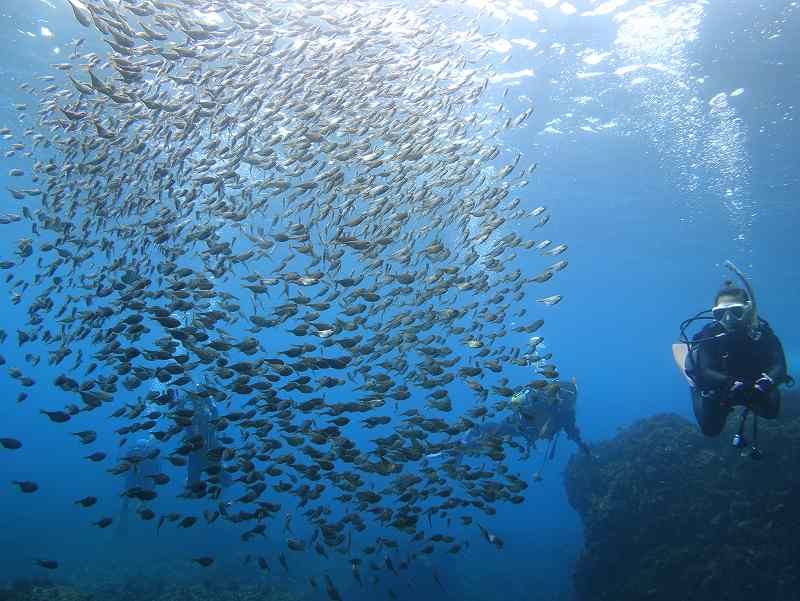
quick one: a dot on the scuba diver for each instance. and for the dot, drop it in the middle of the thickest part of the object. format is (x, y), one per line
(537, 414)
(144, 465)
(546, 415)
(199, 419)
(200, 440)
(734, 360)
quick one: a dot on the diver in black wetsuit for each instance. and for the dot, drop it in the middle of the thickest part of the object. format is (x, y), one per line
(541, 416)
(535, 416)
(735, 360)
(737, 365)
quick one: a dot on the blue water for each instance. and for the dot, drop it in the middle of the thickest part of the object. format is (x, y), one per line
(653, 181)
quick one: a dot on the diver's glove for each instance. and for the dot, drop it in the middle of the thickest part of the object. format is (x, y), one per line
(736, 391)
(762, 389)
(764, 384)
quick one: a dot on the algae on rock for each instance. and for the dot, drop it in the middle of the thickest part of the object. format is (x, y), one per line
(670, 514)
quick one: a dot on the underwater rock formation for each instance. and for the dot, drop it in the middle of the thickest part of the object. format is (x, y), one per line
(36, 590)
(670, 514)
(41, 591)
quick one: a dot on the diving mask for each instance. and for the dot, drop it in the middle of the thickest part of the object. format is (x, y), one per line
(730, 315)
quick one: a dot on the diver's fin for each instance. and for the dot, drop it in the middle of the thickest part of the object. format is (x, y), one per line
(680, 352)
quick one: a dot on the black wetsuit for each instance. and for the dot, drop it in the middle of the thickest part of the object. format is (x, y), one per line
(715, 364)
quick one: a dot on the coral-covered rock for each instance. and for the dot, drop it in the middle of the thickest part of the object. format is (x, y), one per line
(670, 514)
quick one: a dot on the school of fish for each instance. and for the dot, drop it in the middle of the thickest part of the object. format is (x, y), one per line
(213, 186)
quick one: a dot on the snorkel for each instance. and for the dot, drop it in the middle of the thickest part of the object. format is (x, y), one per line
(753, 329)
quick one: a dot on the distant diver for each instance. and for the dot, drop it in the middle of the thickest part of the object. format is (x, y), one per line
(548, 414)
(200, 443)
(144, 462)
(735, 360)
(199, 416)
(536, 414)
(551, 414)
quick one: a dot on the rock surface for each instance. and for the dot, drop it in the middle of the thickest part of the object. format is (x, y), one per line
(672, 515)
(38, 591)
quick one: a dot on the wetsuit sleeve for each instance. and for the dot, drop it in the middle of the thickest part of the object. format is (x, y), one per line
(707, 368)
(776, 368)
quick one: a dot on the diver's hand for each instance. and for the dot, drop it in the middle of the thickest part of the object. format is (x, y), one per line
(762, 390)
(764, 385)
(736, 391)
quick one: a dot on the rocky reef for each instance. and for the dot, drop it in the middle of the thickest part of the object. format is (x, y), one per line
(669, 514)
(42, 590)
